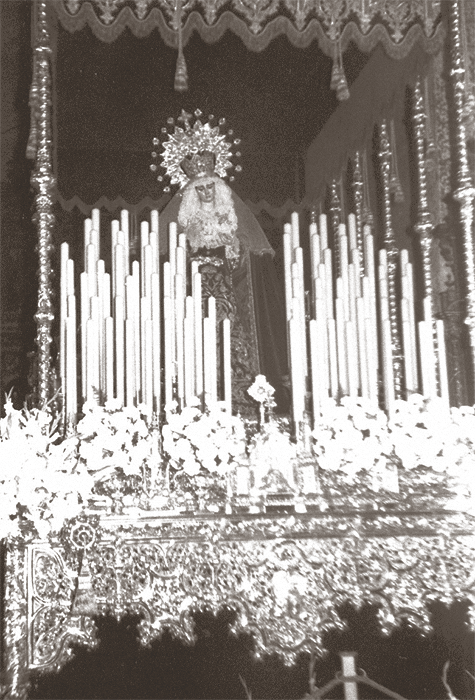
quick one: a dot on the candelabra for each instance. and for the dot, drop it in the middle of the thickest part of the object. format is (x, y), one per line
(390, 245)
(465, 191)
(424, 220)
(43, 180)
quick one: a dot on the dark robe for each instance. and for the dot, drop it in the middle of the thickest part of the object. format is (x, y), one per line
(247, 292)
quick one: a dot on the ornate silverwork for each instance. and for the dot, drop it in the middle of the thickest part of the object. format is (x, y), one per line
(42, 179)
(358, 193)
(392, 254)
(465, 192)
(285, 575)
(424, 220)
(15, 622)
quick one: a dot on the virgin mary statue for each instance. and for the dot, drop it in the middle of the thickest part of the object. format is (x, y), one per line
(235, 261)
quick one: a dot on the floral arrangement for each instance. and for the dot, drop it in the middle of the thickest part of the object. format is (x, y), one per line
(354, 436)
(196, 440)
(47, 478)
(114, 439)
(42, 482)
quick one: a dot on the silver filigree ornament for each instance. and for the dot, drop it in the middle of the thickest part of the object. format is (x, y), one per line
(190, 139)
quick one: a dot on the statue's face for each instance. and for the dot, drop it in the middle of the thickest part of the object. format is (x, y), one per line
(206, 191)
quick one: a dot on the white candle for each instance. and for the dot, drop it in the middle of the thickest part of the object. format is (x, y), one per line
(355, 260)
(71, 361)
(213, 348)
(96, 221)
(154, 220)
(331, 329)
(388, 371)
(406, 338)
(144, 234)
(114, 232)
(182, 240)
(198, 335)
(314, 250)
(351, 292)
(189, 350)
(124, 227)
(427, 358)
(101, 329)
(130, 362)
(154, 243)
(91, 270)
(119, 348)
(362, 349)
(301, 297)
(352, 358)
(341, 345)
(181, 268)
(344, 274)
(168, 291)
(316, 389)
(287, 244)
(323, 360)
(372, 361)
(412, 319)
(410, 366)
(92, 361)
(322, 283)
(443, 379)
(145, 311)
(137, 329)
(207, 361)
(172, 244)
(352, 232)
(156, 341)
(327, 257)
(147, 270)
(148, 384)
(84, 317)
(179, 317)
(109, 357)
(106, 295)
(63, 316)
(294, 218)
(296, 374)
(119, 260)
(322, 225)
(168, 331)
(227, 364)
(87, 238)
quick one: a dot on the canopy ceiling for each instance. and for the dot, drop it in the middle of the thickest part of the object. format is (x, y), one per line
(114, 63)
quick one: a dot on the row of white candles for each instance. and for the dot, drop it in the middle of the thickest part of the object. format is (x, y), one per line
(125, 319)
(340, 349)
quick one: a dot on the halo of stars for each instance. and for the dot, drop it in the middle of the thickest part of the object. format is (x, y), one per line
(190, 139)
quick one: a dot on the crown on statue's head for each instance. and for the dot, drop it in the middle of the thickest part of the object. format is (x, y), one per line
(198, 164)
(195, 149)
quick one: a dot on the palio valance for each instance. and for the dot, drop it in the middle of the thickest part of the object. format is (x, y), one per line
(395, 25)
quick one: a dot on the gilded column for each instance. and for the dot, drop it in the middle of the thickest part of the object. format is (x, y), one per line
(43, 181)
(392, 256)
(424, 220)
(15, 624)
(465, 191)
